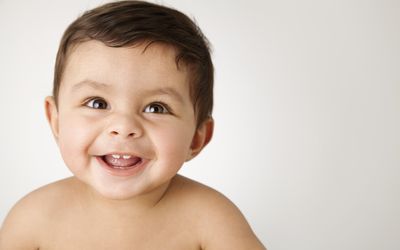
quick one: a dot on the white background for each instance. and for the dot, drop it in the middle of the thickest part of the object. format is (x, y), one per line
(307, 110)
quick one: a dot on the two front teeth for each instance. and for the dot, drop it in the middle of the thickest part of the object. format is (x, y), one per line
(126, 157)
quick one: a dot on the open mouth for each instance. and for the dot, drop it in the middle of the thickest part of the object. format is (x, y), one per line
(121, 161)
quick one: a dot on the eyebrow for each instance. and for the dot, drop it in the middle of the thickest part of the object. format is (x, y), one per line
(89, 83)
(166, 91)
(99, 85)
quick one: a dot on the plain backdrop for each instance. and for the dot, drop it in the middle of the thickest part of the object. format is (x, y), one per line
(307, 110)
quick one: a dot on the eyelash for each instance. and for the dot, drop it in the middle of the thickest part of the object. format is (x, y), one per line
(165, 107)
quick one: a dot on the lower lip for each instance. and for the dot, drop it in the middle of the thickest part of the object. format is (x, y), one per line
(122, 172)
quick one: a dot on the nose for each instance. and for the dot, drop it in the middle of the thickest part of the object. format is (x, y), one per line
(125, 126)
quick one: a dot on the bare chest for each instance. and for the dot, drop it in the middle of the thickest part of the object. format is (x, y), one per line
(167, 233)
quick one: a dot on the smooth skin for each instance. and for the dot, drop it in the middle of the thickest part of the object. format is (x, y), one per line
(128, 101)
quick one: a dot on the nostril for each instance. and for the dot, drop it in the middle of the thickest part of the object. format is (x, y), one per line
(124, 125)
(115, 133)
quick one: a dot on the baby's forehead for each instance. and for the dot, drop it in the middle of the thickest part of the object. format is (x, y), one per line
(157, 52)
(145, 63)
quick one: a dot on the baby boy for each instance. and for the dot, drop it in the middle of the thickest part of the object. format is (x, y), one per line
(132, 101)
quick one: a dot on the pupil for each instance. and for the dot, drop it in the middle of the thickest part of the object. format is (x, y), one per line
(99, 105)
(156, 109)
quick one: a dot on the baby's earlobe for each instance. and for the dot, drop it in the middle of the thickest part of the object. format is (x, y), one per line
(201, 137)
(189, 155)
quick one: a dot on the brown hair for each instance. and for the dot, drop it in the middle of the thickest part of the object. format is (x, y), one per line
(126, 23)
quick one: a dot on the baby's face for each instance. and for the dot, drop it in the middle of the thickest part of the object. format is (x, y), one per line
(125, 123)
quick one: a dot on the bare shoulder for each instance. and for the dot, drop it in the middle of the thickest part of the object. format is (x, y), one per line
(27, 221)
(220, 223)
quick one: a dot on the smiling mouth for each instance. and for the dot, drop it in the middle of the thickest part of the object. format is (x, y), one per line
(121, 161)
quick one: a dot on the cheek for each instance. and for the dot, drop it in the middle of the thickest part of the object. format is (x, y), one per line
(74, 139)
(173, 144)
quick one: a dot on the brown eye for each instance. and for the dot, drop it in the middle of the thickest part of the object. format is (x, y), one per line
(157, 108)
(97, 103)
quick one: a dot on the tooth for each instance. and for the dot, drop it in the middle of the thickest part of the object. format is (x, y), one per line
(126, 157)
(116, 156)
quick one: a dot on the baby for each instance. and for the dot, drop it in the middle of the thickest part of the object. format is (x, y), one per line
(132, 101)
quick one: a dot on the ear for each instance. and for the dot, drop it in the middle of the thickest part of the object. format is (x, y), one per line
(52, 115)
(201, 138)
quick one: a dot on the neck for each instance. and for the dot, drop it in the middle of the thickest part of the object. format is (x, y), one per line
(134, 206)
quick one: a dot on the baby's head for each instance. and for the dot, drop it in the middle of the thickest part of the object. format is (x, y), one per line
(132, 97)
(131, 23)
